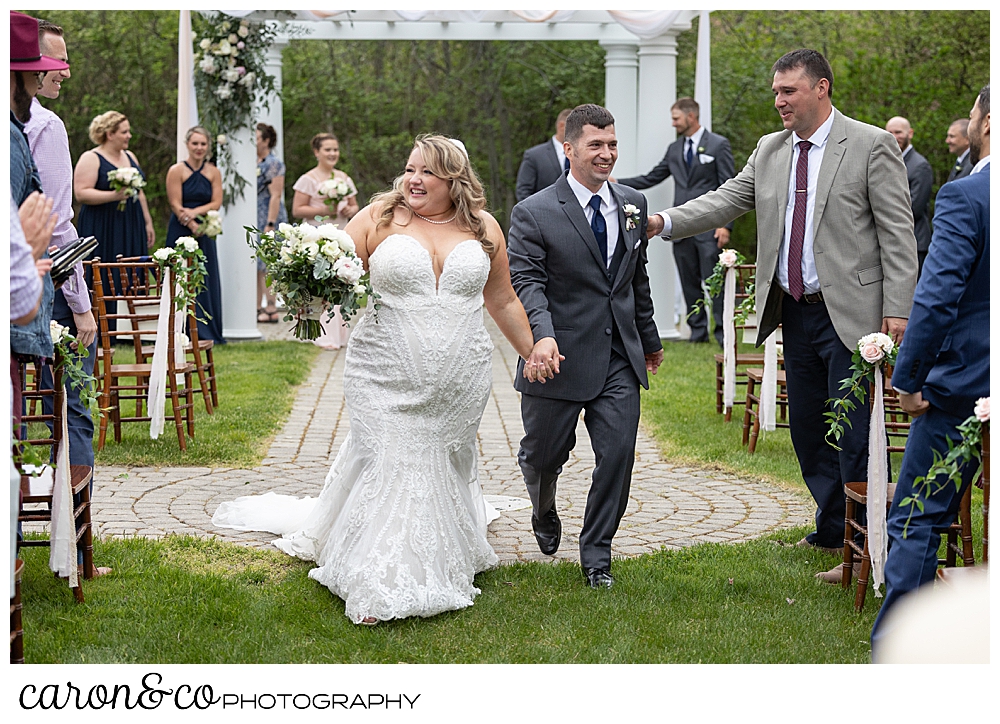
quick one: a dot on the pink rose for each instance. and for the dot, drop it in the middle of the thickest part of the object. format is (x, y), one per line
(983, 409)
(871, 353)
(241, 45)
(727, 258)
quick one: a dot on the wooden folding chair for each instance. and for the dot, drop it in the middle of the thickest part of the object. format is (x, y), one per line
(751, 410)
(200, 350)
(36, 506)
(744, 276)
(123, 292)
(16, 628)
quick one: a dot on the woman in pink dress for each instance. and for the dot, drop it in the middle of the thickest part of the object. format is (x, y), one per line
(308, 205)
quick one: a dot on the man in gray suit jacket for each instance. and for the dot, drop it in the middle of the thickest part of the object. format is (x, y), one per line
(836, 260)
(957, 139)
(544, 163)
(920, 178)
(699, 161)
(577, 255)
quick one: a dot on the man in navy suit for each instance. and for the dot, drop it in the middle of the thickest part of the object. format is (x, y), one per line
(545, 163)
(944, 363)
(699, 161)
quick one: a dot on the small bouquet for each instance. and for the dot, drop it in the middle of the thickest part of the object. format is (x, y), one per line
(873, 352)
(333, 191)
(209, 224)
(309, 265)
(188, 262)
(72, 353)
(126, 179)
(728, 258)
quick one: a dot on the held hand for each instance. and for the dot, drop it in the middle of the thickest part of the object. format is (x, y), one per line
(37, 222)
(655, 226)
(193, 227)
(894, 327)
(43, 266)
(86, 328)
(118, 195)
(150, 234)
(654, 360)
(543, 362)
(913, 405)
(721, 237)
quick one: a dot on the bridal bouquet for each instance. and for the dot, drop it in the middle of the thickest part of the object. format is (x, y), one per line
(187, 261)
(209, 224)
(309, 266)
(126, 179)
(333, 191)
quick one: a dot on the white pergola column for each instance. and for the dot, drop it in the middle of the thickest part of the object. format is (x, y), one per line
(658, 91)
(621, 75)
(237, 268)
(274, 114)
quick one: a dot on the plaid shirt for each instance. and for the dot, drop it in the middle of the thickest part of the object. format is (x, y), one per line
(50, 148)
(25, 286)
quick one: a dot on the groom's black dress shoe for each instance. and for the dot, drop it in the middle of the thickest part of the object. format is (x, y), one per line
(599, 577)
(548, 531)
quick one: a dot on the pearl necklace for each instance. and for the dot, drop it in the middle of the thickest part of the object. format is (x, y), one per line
(431, 221)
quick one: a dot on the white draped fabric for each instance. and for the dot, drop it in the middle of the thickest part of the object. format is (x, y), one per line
(156, 397)
(878, 485)
(769, 385)
(187, 101)
(62, 536)
(729, 338)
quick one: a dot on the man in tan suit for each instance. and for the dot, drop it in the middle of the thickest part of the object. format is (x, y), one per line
(836, 260)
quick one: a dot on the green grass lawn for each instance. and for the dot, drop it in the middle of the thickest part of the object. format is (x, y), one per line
(257, 382)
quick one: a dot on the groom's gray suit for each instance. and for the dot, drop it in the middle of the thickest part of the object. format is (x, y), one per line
(601, 317)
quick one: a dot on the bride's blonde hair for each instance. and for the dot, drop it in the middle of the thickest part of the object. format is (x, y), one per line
(447, 160)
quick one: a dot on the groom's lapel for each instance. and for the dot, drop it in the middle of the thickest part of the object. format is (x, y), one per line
(571, 207)
(623, 233)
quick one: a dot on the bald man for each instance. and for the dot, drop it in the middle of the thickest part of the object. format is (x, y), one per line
(957, 139)
(920, 177)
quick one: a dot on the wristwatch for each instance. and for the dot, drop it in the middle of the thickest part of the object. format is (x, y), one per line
(269, 223)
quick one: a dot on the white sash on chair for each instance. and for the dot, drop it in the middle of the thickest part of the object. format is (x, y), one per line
(729, 338)
(62, 534)
(156, 398)
(878, 485)
(769, 384)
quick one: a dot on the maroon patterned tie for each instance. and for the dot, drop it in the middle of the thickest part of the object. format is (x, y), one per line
(795, 284)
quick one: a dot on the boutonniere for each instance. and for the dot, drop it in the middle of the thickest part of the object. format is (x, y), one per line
(958, 166)
(632, 216)
(701, 149)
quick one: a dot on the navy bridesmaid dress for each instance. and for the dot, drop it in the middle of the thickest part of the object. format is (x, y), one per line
(117, 232)
(197, 191)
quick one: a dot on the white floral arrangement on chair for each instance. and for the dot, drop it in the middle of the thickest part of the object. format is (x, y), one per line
(873, 353)
(728, 258)
(333, 191)
(209, 224)
(947, 468)
(188, 263)
(127, 179)
(309, 266)
(70, 356)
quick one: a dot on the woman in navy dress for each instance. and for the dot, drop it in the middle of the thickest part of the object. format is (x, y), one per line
(128, 232)
(194, 187)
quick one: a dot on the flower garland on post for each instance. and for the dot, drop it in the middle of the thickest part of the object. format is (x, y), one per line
(868, 363)
(949, 467)
(229, 78)
(309, 265)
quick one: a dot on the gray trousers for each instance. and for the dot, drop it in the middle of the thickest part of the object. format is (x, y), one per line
(695, 258)
(612, 420)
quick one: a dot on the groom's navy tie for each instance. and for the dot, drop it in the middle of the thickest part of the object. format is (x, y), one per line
(599, 227)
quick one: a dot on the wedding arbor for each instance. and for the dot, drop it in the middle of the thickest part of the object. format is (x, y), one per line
(640, 87)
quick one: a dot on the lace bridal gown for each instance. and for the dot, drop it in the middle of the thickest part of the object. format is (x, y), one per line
(400, 526)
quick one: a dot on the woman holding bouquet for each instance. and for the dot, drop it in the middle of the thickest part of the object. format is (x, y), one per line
(399, 528)
(330, 194)
(112, 210)
(194, 188)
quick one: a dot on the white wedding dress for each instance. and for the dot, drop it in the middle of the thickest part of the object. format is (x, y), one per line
(400, 526)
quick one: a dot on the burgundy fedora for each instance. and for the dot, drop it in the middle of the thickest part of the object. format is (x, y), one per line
(24, 53)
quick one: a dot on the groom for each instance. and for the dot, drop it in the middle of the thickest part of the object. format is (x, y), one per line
(577, 252)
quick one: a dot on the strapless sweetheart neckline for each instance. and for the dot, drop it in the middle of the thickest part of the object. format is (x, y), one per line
(430, 259)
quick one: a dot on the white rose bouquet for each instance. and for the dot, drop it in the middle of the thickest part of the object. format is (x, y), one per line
(873, 352)
(310, 266)
(333, 191)
(126, 179)
(209, 224)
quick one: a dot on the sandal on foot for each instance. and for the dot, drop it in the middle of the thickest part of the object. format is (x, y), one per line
(263, 316)
(368, 621)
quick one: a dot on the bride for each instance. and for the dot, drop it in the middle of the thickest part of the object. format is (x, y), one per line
(400, 526)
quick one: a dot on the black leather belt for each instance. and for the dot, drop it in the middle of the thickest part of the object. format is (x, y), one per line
(812, 298)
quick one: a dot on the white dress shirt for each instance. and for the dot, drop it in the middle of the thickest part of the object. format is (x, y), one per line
(608, 209)
(983, 163)
(809, 277)
(560, 153)
(695, 143)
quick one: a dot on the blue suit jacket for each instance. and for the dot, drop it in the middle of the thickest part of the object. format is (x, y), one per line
(946, 348)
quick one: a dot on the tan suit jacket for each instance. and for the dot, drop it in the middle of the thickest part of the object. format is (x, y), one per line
(863, 242)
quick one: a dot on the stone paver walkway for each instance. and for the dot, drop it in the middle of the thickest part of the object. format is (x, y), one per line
(669, 506)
